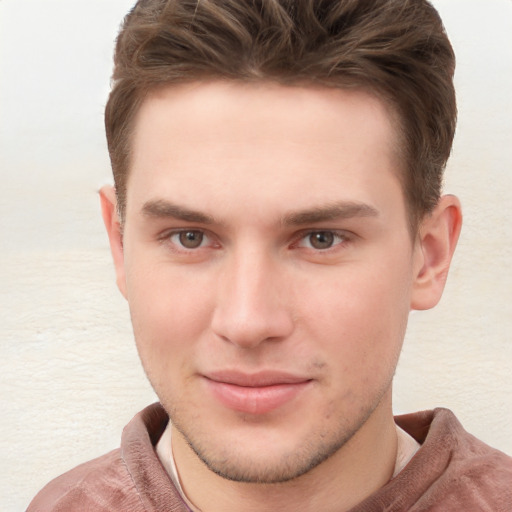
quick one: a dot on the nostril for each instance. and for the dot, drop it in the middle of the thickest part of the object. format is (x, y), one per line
(250, 307)
(249, 331)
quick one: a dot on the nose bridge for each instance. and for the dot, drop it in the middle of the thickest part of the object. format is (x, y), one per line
(251, 305)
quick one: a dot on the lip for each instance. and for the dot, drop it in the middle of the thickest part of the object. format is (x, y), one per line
(256, 393)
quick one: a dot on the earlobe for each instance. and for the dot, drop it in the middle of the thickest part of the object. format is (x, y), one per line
(437, 239)
(113, 227)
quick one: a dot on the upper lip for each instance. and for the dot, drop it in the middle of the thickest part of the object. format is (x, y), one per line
(257, 379)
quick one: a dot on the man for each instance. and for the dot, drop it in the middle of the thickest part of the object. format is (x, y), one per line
(277, 213)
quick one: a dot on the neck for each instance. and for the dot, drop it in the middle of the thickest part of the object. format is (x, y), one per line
(361, 467)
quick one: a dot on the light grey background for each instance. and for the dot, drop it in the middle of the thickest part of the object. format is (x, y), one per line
(69, 373)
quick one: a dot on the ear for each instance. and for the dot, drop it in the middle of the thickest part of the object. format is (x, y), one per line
(115, 236)
(435, 245)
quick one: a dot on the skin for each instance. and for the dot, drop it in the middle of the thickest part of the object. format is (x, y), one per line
(297, 260)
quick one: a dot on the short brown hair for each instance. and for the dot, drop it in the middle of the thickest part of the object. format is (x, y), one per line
(397, 49)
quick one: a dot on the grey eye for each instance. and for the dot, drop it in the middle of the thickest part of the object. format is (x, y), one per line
(191, 239)
(321, 239)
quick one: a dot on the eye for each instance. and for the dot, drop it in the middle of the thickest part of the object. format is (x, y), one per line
(322, 240)
(189, 238)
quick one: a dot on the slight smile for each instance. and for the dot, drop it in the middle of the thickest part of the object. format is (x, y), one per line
(255, 393)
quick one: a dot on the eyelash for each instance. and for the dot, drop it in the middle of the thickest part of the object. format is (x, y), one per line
(168, 236)
(340, 238)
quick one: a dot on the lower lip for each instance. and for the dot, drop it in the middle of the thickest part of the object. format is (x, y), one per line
(255, 400)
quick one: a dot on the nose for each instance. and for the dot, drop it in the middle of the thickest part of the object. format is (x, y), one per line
(253, 304)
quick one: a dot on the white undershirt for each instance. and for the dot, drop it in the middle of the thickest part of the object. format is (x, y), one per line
(164, 452)
(407, 446)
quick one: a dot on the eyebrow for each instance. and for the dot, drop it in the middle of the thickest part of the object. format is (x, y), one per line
(161, 208)
(334, 211)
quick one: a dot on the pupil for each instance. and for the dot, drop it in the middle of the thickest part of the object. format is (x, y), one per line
(191, 239)
(322, 240)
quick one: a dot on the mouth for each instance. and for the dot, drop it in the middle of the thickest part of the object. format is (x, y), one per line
(258, 393)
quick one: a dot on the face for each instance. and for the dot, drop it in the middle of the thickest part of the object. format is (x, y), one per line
(268, 267)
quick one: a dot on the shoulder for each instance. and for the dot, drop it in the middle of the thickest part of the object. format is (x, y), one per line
(130, 478)
(102, 484)
(477, 475)
(456, 470)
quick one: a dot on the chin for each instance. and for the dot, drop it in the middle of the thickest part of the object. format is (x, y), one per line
(263, 457)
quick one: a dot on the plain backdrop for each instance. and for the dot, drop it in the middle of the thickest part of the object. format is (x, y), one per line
(70, 378)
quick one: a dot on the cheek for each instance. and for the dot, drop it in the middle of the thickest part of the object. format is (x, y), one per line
(359, 318)
(169, 311)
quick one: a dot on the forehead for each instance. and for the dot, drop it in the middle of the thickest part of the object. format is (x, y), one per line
(252, 108)
(228, 141)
